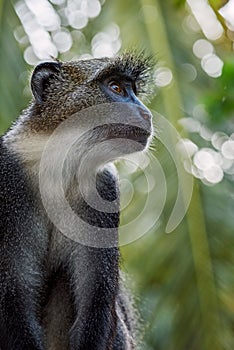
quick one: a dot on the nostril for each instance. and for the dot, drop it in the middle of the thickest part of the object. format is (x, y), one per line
(146, 115)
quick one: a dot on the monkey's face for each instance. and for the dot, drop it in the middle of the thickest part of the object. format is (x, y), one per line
(105, 90)
(138, 126)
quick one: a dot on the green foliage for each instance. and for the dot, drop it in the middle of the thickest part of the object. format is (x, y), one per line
(12, 68)
(217, 4)
(184, 280)
(219, 101)
(179, 3)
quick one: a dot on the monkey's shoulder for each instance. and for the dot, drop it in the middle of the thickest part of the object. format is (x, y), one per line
(11, 170)
(16, 196)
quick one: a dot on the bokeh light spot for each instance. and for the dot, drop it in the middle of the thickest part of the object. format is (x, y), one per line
(62, 40)
(190, 124)
(218, 138)
(30, 56)
(206, 18)
(187, 147)
(203, 159)
(93, 8)
(77, 19)
(163, 77)
(228, 149)
(214, 174)
(212, 65)
(189, 71)
(202, 47)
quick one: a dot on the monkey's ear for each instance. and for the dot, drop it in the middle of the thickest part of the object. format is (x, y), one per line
(41, 77)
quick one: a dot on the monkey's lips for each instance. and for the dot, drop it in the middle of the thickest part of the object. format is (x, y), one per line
(129, 132)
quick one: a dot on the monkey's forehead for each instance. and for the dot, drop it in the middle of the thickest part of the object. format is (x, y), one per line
(129, 64)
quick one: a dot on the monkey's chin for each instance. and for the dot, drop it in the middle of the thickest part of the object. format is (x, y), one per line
(129, 132)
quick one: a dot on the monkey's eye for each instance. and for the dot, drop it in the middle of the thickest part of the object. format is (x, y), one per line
(116, 87)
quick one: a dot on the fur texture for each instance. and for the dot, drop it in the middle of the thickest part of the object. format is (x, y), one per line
(57, 294)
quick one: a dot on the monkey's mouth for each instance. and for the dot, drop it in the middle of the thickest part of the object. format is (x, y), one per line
(129, 132)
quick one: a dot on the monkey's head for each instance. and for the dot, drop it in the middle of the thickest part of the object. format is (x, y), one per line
(108, 88)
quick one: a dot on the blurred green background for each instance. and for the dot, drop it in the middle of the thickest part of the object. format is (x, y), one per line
(183, 280)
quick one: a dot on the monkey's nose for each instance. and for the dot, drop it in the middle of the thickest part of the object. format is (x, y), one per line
(145, 113)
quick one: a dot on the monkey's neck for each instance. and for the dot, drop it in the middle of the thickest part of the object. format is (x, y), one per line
(42, 157)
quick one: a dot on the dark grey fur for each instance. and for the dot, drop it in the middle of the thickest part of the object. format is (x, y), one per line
(56, 294)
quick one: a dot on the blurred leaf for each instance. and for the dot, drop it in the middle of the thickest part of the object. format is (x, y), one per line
(179, 3)
(12, 65)
(219, 101)
(217, 4)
